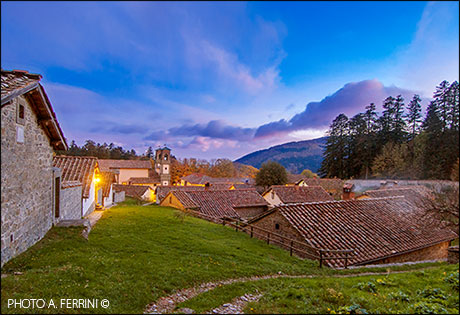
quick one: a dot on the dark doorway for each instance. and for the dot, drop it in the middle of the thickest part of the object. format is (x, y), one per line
(57, 197)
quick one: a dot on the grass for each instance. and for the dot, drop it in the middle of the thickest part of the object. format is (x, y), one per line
(136, 254)
(414, 292)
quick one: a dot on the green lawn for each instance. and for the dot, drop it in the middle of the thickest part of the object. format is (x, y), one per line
(136, 254)
(431, 291)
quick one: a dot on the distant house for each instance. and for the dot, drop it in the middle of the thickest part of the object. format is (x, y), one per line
(144, 193)
(242, 204)
(332, 185)
(141, 172)
(126, 169)
(281, 194)
(85, 170)
(383, 230)
(197, 179)
(30, 185)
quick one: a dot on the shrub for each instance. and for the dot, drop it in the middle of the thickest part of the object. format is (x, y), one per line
(369, 286)
(399, 296)
(353, 309)
(452, 279)
(431, 293)
(428, 308)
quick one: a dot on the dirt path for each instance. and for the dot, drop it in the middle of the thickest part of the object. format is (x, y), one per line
(167, 304)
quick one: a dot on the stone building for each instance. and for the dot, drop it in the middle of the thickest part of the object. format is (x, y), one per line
(237, 204)
(30, 186)
(126, 169)
(282, 194)
(381, 230)
(163, 165)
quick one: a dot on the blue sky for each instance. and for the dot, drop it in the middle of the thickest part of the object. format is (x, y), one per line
(224, 79)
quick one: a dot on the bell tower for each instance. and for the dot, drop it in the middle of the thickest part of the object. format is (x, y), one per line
(163, 164)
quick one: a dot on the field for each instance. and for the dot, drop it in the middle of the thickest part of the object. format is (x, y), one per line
(136, 254)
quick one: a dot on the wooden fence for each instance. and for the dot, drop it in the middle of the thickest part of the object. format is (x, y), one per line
(301, 249)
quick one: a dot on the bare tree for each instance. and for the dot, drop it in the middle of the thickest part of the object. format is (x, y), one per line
(442, 207)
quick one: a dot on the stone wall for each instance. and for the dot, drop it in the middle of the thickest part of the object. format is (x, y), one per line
(27, 179)
(70, 203)
(452, 255)
(250, 212)
(435, 252)
(276, 223)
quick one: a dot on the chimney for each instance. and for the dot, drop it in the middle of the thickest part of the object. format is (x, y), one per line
(348, 194)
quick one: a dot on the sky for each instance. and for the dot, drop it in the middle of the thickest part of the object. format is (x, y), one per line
(224, 79)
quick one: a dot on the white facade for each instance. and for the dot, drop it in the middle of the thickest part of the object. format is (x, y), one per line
(88, 204)
(272, 198)
(108, 201)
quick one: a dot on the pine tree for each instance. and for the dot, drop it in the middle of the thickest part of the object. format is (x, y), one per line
(333, 164)
(414, 116)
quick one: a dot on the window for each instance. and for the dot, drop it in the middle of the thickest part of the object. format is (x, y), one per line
(277, 226)
(170, 199)
(20, 113)
(273, 194)
(166, 157)
(19, 134)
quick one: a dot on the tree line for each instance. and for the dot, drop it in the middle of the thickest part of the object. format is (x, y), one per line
(397, 143)
(101, 151)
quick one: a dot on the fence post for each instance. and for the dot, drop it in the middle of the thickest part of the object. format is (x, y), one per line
(268, 238)
(236, 226)
(346, 260)
(223, 222)
(290, 250)
(251, 231)
(320, 258)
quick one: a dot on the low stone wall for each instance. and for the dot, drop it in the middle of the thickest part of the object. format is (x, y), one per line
(249, 212)
(452, 255)
(71, 203)
(435, 252)
(119, 196)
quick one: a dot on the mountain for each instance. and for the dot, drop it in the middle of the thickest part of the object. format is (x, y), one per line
(294, 156)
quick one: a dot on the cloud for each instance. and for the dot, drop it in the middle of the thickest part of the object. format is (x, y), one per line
(433, 54)
(350, 99)
(213, 129)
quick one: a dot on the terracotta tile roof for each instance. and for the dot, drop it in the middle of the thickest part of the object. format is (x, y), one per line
(221, 203)
(17, 82)
(144, 180)
(414, 194)
(107, 164)
(70, 184)
(375, 228)
(184, 199)
(296, 194)
(201, 179)
(134, 191)
(244, 186)
(107, 179)
(162, 191)
(77, 168)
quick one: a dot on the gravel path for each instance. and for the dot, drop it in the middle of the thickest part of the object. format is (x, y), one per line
(167, 304)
